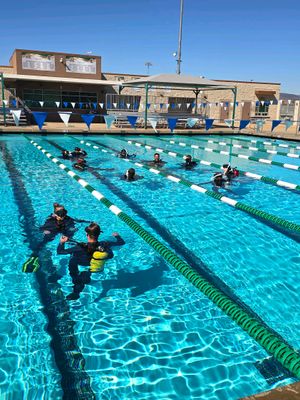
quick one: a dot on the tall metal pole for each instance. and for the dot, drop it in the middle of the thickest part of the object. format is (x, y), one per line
(3, 104)
(180, 38)
(146, 102)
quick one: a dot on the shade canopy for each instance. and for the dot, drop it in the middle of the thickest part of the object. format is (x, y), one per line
(177, 81)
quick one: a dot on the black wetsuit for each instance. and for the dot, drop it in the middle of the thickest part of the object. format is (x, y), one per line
(81, 254)
(80, 166)
(65, 227)
(189, 164)
(81, 153)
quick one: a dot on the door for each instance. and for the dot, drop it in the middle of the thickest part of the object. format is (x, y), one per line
(225, 110)
(246, 110)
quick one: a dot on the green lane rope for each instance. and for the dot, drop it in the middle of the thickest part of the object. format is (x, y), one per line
(239, 146)
(251, 158)
(265, 179)
(263, 215)
(283, 352)
(259, 142)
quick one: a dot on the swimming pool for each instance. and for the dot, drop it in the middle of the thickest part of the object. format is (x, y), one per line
(140, 330)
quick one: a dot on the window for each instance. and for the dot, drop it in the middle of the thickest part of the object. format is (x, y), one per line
(33, 96)
(262, 110)
(287, 110)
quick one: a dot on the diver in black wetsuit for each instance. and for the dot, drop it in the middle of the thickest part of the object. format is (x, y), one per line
(131, 176)
(189, 163)
(57, 222)
(78, 152)
(123, 154)
(66, 155)
(81, 164)
(92, 254)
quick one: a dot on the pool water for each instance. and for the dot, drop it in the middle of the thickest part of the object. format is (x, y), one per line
(140, 330)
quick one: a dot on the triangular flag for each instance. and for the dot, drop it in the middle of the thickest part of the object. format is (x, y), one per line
(172, 123)
(242, 103)
(188, 105)
(231, 104)
(155, 106)
(237, 103)
(244, 123)
(179, 105)
(57, 104)
(221, 104)
(65, 103)
(191, 122)
(109, 119)
(287, 124)
(209, 104)
(16, 116)
(148, 106)
(167, 106)
(262, 103)
(73, 104)
(108, 105)
(199, 105)
(95, 106)
(280, 101)
(40, 118)
(65, 116)
(275, 123)
(271, 102)
(101, 105)
(5, 102)
(161, 105)
(173, 105)
(128, 105)
(41, 103)
(14, 102)
(153, 122)
(80, 105)
(132, 120)
(208, 123)
(228, 122)
(289, 101)
(115, 105)
(142, 106)
(88, 119)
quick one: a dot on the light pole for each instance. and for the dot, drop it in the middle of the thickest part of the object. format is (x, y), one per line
(180, 38)
(148, 64)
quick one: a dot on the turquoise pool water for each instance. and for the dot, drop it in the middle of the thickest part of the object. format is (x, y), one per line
(140, 330)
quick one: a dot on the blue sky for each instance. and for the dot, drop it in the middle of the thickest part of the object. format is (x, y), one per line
(234, 39)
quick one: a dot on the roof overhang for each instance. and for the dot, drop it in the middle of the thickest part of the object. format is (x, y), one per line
(177, 82)
(261, 92)
(40, 78)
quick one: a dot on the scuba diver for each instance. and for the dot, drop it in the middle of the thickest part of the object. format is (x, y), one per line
(189, 164)
(229, 172)
(57, 222)
(123, 154)
(81, 164)
(92, 254)
(131, 176)
(218, 179)
(157, 161)
(78, 152)
(66, 155)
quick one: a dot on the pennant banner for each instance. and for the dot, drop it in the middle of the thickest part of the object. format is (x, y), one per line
(132, 120)
(191, 122)
(287, 124)
(275, 123)
(73, 104)
(65, 116)
(208, 123)
(244, 123)
(40, 118)
(5, 102)
(88, 119)
(172, 123)
(95, 106)
(65, 103)
(16, 116)
(148, 106)
(229, 122)
(153, 122)
(57, 104)
(128, 105)
(101, 105)
(109, 119)
(14, 102)
(41, 103)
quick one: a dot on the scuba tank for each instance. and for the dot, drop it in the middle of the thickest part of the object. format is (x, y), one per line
(98, 260)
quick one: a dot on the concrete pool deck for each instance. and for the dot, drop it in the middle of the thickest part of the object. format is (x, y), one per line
(57, 127)
(289, 392)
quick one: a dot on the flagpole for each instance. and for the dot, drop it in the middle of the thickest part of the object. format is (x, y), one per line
(180, 38)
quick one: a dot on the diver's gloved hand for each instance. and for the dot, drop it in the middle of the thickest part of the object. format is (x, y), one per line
(63, 239)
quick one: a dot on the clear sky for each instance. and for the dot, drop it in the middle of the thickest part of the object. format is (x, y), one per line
(222, 39)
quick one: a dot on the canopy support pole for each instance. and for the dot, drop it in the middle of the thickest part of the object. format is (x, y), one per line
(197, 91)
(2, 95)
(234, 105)
(146, 102)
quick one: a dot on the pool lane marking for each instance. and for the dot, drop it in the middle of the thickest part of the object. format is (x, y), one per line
(251, 158)
(265, 179)
(283, 352)
(70, 363)
(239, 146)
(262, 215)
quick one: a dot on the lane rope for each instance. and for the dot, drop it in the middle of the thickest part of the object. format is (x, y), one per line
(274, 144)
(284, 353)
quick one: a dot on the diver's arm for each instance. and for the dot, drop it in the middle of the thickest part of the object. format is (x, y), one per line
(71, 250)
(119, 241)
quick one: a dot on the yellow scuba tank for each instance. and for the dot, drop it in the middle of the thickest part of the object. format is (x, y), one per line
(98, 260)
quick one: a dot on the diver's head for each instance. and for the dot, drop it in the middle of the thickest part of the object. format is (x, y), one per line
(93, 231)
(77, 148)
(59, 212)
(123, 153)
(156, 157)
(226, 167)
(188, 158)
(130, 174)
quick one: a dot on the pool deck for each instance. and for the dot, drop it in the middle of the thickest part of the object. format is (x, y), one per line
(56, 127)
(289, 392)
